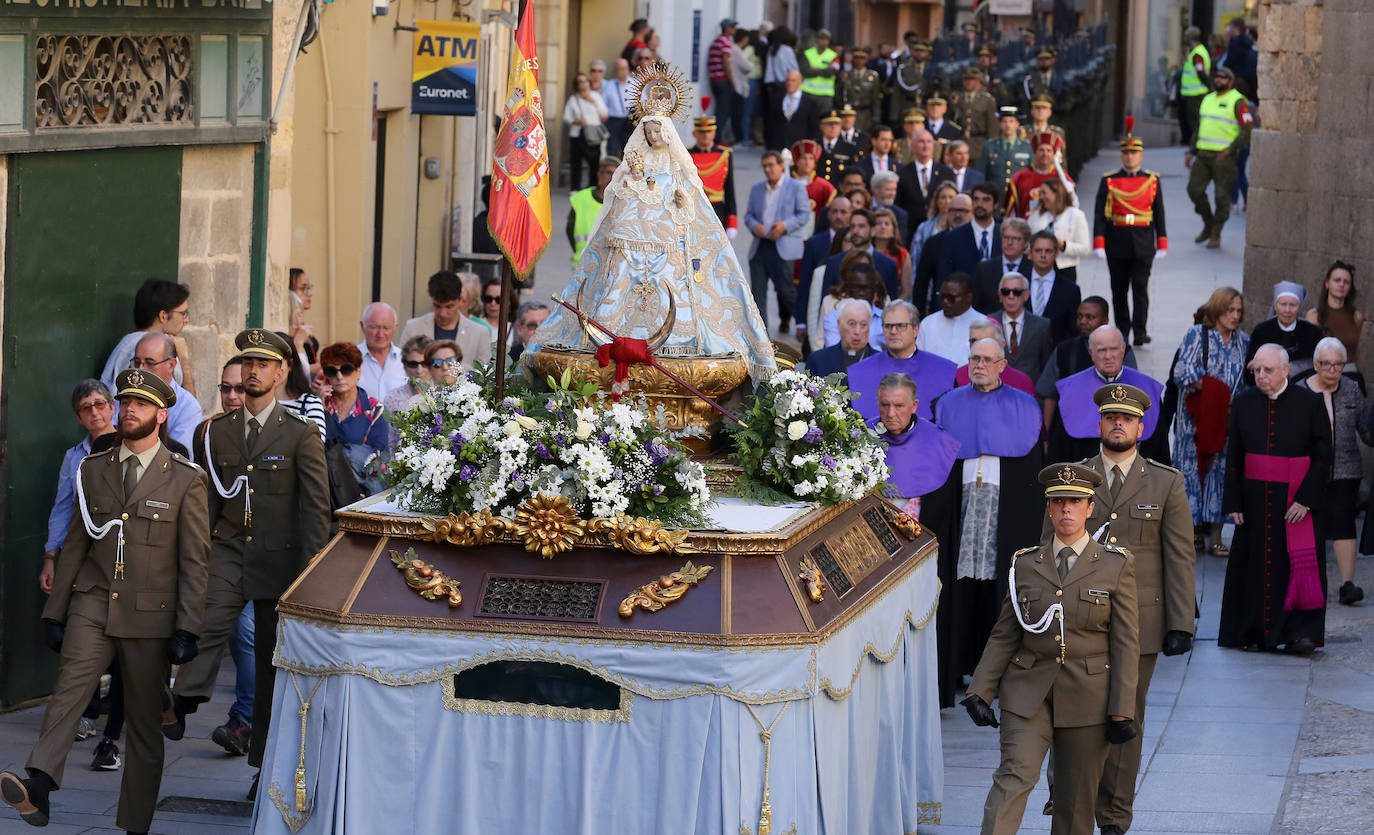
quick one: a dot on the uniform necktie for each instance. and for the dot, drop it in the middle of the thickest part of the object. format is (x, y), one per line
(1015, 342)
(1065, 554)
(1118, 478)
(254, 429)
(983, 246)
(130, 476)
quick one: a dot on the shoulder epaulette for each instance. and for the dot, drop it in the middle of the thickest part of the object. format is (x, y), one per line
(1026, 550)
(1115, 549)
(1148, 173)
(222, 415)
(297, 415)
(181, 459)
(1165, 467)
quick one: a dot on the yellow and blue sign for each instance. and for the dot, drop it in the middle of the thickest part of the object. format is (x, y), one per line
(443, 77)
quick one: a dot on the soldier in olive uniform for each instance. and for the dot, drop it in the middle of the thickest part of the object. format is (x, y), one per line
(1041, 108)
(862, 89)
(1044, 79)
(836, 154)
(976, 110)
(987, 59)
(130, 583)
(1062, 659)
(269, 507)
(1008, 153)
(850, 132)
(914, 79)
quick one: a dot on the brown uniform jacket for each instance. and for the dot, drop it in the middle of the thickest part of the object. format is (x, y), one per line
(166, 550)
(290, 489)
(1151, 519)
(1099, 673)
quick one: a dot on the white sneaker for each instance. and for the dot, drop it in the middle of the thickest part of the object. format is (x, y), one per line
(85, 729)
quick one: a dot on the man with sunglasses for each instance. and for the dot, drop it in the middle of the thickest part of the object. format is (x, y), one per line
(1028, 336)
(156, 353)
(988, 275)
(269, 511)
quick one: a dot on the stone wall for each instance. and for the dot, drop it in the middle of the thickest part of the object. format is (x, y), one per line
(215, 253)
(1311, 184)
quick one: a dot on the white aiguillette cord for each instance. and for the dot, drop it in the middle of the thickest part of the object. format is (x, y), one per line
(1056, 609)
(239, 486)
(100, 532)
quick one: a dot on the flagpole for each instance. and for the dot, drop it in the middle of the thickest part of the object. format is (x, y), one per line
(502, 333)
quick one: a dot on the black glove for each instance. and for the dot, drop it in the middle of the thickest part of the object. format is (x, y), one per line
(53, 633)
(181, 647)
(1177, 642)
(1120, 730)
(979, 711)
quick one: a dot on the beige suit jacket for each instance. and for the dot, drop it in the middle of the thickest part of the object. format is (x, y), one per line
(472, 338)
(1098, 676)
(166, 550)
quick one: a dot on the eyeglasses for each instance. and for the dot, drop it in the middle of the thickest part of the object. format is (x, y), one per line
(1329, 365)
(896, 326)
(441, 362)
(412, 364)
(92, 406)
(138, 362)
(1012, 291)
(492, 299)
(335, 370)
(225, 388)
(982, 361)
(185, 314)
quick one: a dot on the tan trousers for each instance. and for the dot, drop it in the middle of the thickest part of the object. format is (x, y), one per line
(1079, 756)
(1116, 793)
(86, 653)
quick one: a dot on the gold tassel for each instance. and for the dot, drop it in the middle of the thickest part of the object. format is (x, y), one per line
(304, 712)
(766, 734)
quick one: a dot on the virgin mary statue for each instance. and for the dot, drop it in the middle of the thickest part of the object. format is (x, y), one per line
(658, 265)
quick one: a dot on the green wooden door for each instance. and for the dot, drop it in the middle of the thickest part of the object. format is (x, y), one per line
(85, 228)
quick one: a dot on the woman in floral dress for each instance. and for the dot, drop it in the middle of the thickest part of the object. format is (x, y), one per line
(1226, 345)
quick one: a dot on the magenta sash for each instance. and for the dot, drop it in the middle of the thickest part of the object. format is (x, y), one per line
(1304, 586)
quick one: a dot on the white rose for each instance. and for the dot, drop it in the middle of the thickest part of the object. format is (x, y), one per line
(512, 429)
(527, 422)
(584, 430)
(796, 430)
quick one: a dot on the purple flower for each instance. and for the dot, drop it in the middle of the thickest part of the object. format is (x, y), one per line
(560, 440)
(617, 473)
(854, 433)
(813, 435)
(658, 453)
(457, 438)
(813, 390)
(543, 452)
(604, 438)
(467, 472)
(828, 462)
(658, 489)
(549, 406)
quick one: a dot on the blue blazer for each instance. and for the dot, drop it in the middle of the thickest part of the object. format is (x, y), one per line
(816, 252)
(885, 265)
(830, 360)
(960, 253)
(794, 210)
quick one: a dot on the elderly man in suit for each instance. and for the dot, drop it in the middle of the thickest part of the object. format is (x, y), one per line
(1051, 296)
(794, 116)
(1063, 660)
(269, 508)
(917, 178)
(130, 584)
(779, 216)
(855, 317)
(987, 276)
(1028, 335)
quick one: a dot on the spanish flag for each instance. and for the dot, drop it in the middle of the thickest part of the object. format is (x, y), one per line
(519, 216)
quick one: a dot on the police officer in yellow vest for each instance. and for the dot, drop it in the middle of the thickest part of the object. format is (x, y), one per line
(1223, 129)
(818, 69)
(585, 205)
(1195, 81)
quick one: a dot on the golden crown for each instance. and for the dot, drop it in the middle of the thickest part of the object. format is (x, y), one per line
(659, 89)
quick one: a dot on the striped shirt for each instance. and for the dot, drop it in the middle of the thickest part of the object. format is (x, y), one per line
(717, 57)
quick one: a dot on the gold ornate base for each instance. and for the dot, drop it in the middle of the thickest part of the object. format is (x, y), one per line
(715, 376)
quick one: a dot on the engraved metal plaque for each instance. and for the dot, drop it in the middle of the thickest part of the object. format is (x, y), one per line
(834, 575)
(878, 522)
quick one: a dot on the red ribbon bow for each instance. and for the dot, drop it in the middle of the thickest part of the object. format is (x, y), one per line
(625, 352)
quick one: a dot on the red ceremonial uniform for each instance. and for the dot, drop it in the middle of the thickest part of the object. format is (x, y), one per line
(1022, 185)
(1130, 201)
(716, 169)
(820, 192)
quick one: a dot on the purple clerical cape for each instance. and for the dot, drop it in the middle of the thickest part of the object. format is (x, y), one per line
(1079, 412)
(1003, 422)
(920, 457)
(933, 374)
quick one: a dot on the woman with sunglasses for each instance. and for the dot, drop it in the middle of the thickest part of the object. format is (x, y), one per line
(443, 357)
(352, 416)
(491, 306)
(417, 375)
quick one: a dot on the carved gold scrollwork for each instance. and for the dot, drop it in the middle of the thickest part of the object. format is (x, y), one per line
(641, 536)
(909, 527)
(811, 575)
(428, 581)
(466, 529)
(655, 595)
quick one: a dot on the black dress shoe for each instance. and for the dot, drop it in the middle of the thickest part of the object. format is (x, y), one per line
(1111, 829)
(177, 729)
(1252, 647)
(1302, 646)
(29, 796)
(1350, 593)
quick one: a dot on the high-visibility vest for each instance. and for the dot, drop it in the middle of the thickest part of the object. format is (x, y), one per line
(585, 208)
(1190, 84)
(1217, 125)
(819, 85)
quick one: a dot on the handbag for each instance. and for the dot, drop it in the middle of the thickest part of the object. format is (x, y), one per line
(595, 134)
(1210, 408)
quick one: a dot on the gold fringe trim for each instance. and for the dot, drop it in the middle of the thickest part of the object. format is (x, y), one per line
(562, 714)
(293, 821)
(928, 811)
(839, 694)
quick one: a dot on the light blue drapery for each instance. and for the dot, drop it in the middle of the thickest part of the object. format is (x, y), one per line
(855, 750)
